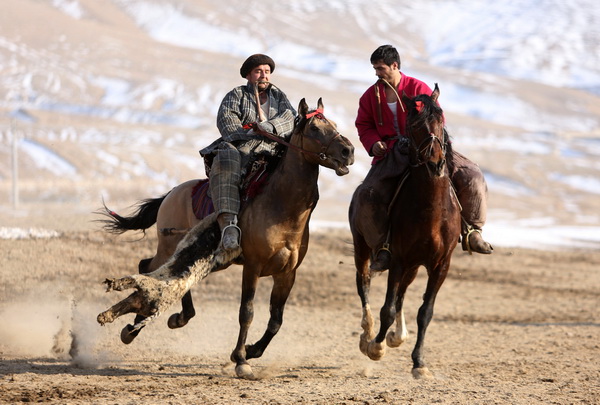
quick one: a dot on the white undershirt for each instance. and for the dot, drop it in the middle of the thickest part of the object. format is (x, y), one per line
(394, 107)
(265, 107)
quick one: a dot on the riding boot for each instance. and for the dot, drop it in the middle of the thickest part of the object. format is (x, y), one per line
(375, 228)
(382, 260)
(225, 194)
(472, 241)
(230, 232)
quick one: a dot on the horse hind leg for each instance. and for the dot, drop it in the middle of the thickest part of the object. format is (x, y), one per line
(180, 319)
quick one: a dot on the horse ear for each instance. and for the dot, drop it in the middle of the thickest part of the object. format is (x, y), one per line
(302, 108)
(436, 93)
(320, 104)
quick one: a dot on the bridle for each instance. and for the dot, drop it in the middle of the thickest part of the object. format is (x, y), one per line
(424, 150)
(316, 114)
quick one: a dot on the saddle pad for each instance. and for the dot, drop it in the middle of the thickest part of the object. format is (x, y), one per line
(202, 204)
(255, 181)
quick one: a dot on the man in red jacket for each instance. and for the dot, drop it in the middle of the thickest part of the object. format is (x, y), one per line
(381, 123)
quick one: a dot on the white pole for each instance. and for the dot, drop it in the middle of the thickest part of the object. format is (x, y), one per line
(15, 166)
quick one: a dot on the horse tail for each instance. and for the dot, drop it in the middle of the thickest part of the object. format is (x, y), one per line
(143, 218)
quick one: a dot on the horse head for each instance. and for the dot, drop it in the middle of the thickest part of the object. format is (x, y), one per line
(319, 140)
(425, 130)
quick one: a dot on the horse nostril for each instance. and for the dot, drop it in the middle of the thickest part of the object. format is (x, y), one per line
(347, 152)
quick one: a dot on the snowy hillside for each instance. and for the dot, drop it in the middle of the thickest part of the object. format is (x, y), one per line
(121, 94)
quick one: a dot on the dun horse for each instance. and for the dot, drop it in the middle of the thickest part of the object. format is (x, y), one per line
(424, 230)
(274, 227)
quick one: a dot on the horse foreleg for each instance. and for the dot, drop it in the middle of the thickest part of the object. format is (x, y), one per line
(376, 349)
(246, 315)
(282, 285)
(396, 337)
(368, 325)
(424, 316)
(363, 286)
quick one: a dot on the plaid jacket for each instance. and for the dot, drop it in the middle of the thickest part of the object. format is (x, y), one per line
(238, 108)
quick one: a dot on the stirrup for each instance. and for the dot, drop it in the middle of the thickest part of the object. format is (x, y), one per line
(232, 224)
(384, 248)
(467, 241)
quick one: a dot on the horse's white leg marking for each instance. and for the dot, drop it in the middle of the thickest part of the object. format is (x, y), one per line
(421, 373)
(375, 350)
(244, 371)
(367, 344)
(367, 324)
(399, 336)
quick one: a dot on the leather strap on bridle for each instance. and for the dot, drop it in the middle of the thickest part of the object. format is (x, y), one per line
(321, 155)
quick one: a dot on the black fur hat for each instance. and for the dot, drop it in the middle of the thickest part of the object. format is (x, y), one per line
(254, 61)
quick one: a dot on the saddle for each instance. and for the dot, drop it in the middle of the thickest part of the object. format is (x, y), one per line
(252, 185)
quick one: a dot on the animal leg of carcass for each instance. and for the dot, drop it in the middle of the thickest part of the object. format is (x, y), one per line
(133, 303)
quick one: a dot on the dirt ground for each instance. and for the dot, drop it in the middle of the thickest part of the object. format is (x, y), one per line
(518, 327)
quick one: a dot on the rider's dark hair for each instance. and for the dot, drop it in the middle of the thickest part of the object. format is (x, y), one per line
(386, 53)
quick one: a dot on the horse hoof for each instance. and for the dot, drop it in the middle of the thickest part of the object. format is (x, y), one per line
(375, 350)
(174, 321)
(244, 371)
(393, 340)
(363, 344)
(421, 373)
(127, 336)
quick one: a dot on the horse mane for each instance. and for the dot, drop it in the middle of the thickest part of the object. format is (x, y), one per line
(300, 121)
(427, 111)
(299, 124)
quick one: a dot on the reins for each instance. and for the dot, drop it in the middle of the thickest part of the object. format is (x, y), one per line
(316, 113)
(426, 145)
(322, 155)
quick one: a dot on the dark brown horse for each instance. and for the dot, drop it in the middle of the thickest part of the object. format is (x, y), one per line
(425, 228)
(274, 227)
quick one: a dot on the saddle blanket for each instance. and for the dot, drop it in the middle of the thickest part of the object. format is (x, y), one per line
(252, 185)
